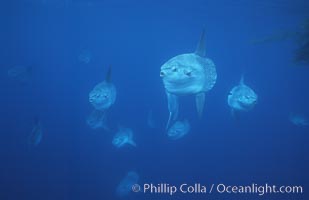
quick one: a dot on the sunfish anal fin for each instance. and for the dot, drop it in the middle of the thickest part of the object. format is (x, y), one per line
(200, 100)
(173, 107)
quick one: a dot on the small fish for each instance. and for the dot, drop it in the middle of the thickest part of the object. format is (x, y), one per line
(242, 97)
(103, 95)
(299, 119)
(188, 74)
(20, 74)
(97, 119)
(85, 57)
(178, 130)
(122, 137)
(124, 188)
(35, 136)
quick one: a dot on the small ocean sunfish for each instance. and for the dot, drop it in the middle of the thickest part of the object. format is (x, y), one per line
(35, 136)
(85, 57)
(103, 94)
(242, 97)
(125, 186)
(122, 137)
(299, 120)
(21, 74)
(178, 130)
(97, 119)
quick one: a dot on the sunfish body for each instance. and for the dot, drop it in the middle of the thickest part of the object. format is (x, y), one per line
(188, 74)
(178, 130)
(242, 97)
(35, 136)
(103, 95)
(85, 57)
(299, 120)
(125, 186)
(21, 74)
(97, 119)
(122, 137)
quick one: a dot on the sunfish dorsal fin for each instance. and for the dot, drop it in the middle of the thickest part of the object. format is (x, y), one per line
(242, 81)
(201, 49)
(108, 75)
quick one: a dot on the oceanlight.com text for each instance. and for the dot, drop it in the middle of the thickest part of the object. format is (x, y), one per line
(199, 188)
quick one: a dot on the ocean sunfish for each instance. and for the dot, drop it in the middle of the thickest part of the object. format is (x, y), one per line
(21, 74)
(242, 97)
(103, 95)
(178, 130)
(97, 119)
(122, 137)
(36, 134)
(85, 57)
(188, 74)
(124, 188)
(299, 119)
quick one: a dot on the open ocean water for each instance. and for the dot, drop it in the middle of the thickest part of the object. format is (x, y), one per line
(54, 52)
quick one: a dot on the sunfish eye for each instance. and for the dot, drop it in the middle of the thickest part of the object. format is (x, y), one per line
(174, 69)
(188, 73)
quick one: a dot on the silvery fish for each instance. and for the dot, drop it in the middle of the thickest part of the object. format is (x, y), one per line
(85, 57)
(21, 74)
(122, 137)
(103, 95)
(97, 119)
(188, 74)
(242, 97)
(125, 186)
(299, 119)
(178, 130)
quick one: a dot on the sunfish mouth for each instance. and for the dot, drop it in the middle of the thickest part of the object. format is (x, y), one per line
(162, 74)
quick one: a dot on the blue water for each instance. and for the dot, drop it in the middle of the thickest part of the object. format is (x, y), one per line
(135, 38)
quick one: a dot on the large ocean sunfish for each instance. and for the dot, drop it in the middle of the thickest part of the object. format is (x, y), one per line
(188, 74)
(103, 95)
